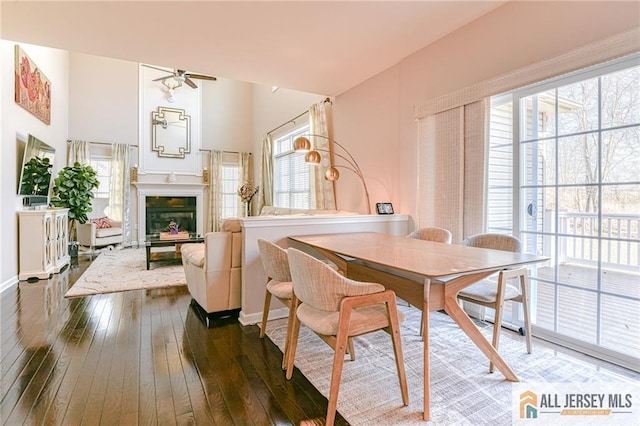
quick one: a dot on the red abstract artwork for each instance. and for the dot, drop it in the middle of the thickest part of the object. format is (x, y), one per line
(33, 89)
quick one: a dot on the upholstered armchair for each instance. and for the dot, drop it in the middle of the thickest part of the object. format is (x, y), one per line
(213, 269)
(99, 232)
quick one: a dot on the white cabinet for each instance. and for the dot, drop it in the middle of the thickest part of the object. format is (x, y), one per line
(44, 241)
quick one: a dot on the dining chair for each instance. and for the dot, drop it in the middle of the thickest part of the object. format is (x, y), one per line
(337, 308)
(430, 233)
(276, 265)
(493, 294)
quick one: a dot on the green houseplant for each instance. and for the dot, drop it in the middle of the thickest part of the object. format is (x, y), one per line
(36, 176)
(73, 189)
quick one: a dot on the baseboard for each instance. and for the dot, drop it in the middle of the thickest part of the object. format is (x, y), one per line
(256, 318)
(8, 283)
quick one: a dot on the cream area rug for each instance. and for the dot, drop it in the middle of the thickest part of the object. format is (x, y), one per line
(463, 392)
(122, 270)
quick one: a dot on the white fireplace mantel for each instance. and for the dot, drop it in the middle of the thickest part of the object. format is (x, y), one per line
(164, 189)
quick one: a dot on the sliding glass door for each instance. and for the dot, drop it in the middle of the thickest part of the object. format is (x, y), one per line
(564, 175)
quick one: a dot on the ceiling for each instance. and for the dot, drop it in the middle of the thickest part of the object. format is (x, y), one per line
(318, 47)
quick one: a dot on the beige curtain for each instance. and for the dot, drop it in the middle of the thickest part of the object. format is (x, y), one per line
(120, 189)
(320, 123)
(215, 191)
(246, 175)
(265, 195)
(78, 151)
(451, 177)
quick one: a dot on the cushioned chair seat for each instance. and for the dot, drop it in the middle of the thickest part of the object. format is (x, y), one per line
(487, 291)
(362, 320)
(280, 289)
(108, 232)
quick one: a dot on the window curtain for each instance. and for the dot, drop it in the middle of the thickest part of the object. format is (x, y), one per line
(78, 152)
(245, 173)
(322, 190)
(120, 189)
(451, 178)
(265, 195)
(215, 191)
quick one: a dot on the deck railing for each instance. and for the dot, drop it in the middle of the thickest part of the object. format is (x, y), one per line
(619, 246)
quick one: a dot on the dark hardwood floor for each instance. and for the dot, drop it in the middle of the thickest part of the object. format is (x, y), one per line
(138, 357)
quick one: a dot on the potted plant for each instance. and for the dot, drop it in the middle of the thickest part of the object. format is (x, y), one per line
(36, 176)
(73, 189)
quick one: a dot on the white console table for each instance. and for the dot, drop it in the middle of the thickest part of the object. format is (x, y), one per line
(44, 242)
(277, 229)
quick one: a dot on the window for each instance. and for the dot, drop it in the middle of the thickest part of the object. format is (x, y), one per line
(564, 175)
(230, 185)
(102, 166)
(291, 185)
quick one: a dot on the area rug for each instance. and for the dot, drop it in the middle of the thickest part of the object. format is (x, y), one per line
(463, 392)
(122, 270)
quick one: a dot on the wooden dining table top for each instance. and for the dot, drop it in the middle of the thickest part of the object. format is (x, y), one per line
(426, 258)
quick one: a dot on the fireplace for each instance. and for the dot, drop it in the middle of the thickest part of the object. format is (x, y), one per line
(162, 210)
(183, 210)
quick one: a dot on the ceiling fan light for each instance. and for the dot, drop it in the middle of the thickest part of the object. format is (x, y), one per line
(332, 174)
(301, 144)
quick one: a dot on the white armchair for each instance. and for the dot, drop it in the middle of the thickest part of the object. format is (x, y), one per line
(91, 235)
(213, 270)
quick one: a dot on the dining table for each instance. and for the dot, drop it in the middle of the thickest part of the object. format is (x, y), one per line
(426, 274)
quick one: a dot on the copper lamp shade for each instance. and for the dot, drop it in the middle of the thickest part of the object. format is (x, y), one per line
(332, 174)
(312, 157)
(301, 144)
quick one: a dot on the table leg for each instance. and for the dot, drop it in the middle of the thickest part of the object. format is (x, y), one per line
(453, 309)
(148, 256)
(425, 339)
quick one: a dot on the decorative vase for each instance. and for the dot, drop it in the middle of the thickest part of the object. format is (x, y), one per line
(73, 249)
(248, 208)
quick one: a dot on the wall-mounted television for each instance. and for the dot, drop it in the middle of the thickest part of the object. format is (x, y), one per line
(35, 177)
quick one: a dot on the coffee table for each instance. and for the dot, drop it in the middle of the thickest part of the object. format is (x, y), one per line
(155, 241)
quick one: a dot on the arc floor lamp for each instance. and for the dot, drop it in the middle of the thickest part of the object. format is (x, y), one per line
(312, 156)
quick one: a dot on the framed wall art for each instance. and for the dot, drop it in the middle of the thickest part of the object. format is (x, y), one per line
(33, 89)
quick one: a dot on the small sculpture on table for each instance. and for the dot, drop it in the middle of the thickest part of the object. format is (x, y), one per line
(174, 232)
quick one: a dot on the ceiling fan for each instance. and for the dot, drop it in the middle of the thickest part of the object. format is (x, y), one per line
(181, 76)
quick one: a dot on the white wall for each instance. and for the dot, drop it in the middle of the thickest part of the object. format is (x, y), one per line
(97, 99)
(510, 37)
(17, 123)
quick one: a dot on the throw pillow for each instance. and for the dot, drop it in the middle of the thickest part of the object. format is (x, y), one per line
(101, 222)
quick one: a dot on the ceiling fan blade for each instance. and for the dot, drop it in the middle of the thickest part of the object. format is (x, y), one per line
(190, 83)
(202, 77)
(161, 78)
(157, 68)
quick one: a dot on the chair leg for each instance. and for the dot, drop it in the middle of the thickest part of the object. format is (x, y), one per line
(292, 313)
(338, 363)
(292, 345)
(392, 311)
(351, 349)
(497, 320)
(524, 289)
(265, 312)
